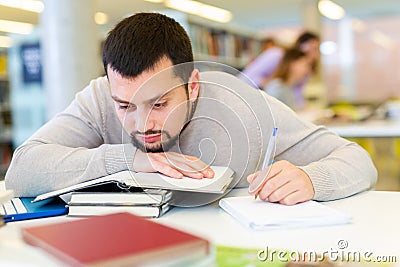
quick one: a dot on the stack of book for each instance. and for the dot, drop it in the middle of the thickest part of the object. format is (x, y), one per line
(151, 203)
(142, 194)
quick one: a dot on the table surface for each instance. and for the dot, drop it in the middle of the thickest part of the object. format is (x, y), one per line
(369, 128)
(375, 229)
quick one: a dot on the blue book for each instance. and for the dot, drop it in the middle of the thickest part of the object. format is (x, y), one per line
(45, 208)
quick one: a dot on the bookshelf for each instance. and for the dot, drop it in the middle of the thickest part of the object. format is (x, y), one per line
(218, 42)
(227, 45)
(5, 116)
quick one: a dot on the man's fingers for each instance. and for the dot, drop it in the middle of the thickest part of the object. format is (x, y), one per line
(208, 173)
(189, 171)
(186, 165)
(166, 169)
(289, 186)
(294, 198)
(269, 173)
(273, 188)
(282, 191)
(278, 174)
(190, 166)
(252, 176)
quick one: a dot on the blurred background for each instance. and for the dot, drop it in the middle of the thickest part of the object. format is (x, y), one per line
(51, 49)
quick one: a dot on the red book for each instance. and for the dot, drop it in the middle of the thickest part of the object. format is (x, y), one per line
(119, 239)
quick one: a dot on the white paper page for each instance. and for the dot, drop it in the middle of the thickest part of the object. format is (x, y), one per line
(258, 214)
(221, 176)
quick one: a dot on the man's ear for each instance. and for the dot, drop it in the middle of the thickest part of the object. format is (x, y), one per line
(194, 84)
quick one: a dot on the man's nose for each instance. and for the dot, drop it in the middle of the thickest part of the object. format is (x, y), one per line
(144, 121)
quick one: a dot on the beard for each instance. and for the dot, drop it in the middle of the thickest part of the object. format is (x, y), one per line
(154, 148)
(170, 141)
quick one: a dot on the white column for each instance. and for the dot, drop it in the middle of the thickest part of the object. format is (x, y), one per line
(70, 49)
(347, 59)
(312, 21)
(311, 17)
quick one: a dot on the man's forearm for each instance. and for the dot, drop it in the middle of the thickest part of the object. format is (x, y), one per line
(38, 167)
(345, 172)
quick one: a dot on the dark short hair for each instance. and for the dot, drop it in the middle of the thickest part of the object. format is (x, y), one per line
(140, 41)
(304, 38)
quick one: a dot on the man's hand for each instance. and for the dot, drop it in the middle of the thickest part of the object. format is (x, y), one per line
(285, 183)
(171, 164)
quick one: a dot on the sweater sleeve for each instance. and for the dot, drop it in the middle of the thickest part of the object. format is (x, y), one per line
(71, 148)
(337, 167)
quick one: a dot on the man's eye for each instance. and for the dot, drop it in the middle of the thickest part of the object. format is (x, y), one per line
(160, 104)
(124, 106)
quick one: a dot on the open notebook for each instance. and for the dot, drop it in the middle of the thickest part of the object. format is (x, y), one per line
(262, 215)
(223, 176)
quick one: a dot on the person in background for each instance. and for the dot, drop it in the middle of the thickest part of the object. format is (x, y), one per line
(268, 43)
(260, 71)
(293, 69)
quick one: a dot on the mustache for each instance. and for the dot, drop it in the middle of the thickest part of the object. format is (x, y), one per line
(147, 132)
(150, 132)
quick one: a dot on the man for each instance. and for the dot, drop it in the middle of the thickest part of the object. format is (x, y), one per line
(154, 112)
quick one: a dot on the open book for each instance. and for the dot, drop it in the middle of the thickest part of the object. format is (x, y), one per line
(263, 215)
(125, 179)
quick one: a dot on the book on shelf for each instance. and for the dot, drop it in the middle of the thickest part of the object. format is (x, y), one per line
(151, 203)
(119, 239)
(127, 179)
(224, 45)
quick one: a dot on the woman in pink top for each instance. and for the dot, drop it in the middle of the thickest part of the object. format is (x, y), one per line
(293, 69)
(264, 66)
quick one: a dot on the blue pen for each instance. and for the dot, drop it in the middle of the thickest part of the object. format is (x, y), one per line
(268, 160)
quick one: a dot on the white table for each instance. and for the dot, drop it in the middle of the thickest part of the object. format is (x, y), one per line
(370, 128)
(375, 229)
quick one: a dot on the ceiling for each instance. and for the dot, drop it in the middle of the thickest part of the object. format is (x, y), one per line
(258, 14)
(255, 15)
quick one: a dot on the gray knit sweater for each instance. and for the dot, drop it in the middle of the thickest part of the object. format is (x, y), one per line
(231, 126)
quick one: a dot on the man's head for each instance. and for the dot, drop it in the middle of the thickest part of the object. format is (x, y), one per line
(149, 63)
(138, 42)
